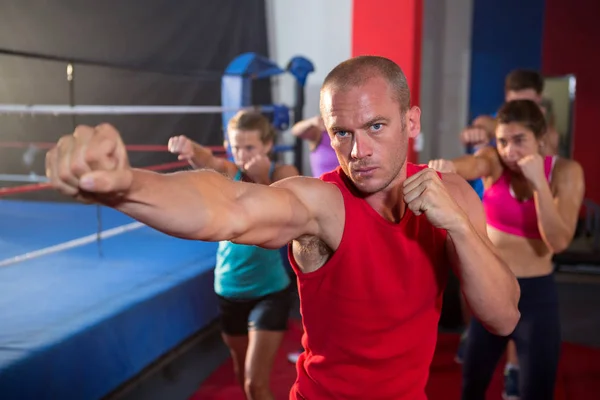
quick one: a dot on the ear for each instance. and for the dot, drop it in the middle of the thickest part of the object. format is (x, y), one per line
(268, 146)
(413, 116)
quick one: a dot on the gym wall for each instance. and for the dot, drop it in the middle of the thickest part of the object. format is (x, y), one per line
(506, 35)
(571, 45)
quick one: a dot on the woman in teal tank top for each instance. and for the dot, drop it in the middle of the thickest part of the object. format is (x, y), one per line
(252, 283)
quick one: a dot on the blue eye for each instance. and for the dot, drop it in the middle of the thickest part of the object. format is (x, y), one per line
(342, 133)
(377, 127)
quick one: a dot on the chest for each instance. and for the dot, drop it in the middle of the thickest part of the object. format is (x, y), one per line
(382, 273)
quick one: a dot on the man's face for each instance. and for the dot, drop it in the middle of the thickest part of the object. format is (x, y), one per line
(369, 133)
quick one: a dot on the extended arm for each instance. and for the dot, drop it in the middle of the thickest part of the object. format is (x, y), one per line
(489, 287)
(205, 205)
(91, 165)
(557, 214)
(199, 156)
(469, 167)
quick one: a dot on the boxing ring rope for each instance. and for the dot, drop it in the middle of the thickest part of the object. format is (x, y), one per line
(134, 147)
(45, 185)
(41, 182)
(48, 109)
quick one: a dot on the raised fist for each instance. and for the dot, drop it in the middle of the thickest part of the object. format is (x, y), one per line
(90, 165)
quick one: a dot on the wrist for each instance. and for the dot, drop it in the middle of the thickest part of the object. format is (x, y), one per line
(540, 184)
(453, 167)
(460, 227)
(260, 179)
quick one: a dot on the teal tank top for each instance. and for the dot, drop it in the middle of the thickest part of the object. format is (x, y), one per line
(248, 272)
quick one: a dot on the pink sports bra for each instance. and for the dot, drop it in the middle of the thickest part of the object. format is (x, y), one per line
(507, 214)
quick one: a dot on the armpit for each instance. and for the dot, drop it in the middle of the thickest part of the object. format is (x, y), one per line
(310, 253)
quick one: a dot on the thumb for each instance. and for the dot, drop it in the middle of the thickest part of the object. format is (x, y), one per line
(106, 181)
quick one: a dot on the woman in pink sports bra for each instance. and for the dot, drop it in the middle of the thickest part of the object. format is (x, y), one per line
(532, 203)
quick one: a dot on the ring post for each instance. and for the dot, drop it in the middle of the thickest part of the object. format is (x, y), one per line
(299, 67)
(236, 84)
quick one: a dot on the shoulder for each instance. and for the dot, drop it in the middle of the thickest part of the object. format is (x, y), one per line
(323, 201)
(455, 184)
(462, 192)
(567, 171)
(567, 166)
(313, 192)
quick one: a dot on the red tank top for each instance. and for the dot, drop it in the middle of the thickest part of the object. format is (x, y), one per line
(371, 313)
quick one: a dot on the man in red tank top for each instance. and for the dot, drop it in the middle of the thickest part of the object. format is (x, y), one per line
(371, 242)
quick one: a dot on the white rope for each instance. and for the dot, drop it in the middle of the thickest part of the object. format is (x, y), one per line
(71, 244)
(23, 178)
(48, 109)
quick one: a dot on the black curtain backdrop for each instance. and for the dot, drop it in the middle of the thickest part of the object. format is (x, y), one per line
(182, 46)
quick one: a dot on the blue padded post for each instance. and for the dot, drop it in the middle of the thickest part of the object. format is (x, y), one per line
(299, 67)
(236, 84)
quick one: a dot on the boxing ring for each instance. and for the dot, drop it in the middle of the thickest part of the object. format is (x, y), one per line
(90, 297)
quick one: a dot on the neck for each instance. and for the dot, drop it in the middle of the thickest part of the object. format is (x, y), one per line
(389, 202)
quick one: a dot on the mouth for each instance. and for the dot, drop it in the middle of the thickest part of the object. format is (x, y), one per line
(365, 171)
(512, 164)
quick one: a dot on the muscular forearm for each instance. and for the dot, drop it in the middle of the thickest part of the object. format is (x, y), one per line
(196, 205)
(553, 229)
(468, 167)
(202, 158)
(488, 285)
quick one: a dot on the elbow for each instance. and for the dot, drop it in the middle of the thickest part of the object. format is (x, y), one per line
(506, 317)
(559, 245)
(506, 324)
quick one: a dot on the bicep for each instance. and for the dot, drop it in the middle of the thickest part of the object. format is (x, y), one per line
(272, 216)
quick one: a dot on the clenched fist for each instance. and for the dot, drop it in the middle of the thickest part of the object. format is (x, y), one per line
(474, 136)
(182, 146)
(532, 167)
(442, 165)
(425, 193)
(258, 169)
(90, 165)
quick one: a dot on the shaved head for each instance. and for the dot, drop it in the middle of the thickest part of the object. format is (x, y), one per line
(356, 71)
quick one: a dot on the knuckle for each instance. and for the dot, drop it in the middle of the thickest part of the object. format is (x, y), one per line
(64, 174)
(78, 166)
(64, 141)
(105, 128)
(50, 155)
(82, 131)
(90, 156)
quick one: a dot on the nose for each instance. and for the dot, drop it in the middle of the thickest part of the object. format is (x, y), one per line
(511, 152)
(361, 146)
(241, 155)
